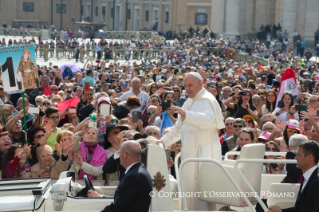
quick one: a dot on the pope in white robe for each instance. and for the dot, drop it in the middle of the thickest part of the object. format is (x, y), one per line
(197, 127)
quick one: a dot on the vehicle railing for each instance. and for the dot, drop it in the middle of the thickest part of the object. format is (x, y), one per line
(225, 171)
(232, 179)
(266, 153)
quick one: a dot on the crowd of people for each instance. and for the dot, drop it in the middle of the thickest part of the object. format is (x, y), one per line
(72, 130)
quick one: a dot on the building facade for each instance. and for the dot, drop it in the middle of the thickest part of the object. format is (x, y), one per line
(227, 17)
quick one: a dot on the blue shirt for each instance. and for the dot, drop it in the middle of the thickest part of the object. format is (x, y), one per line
(29, 116)
(90, 79)
(303, 44)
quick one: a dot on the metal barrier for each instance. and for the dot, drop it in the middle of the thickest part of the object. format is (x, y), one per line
(20, 32)
(138, 35)
(244, 57)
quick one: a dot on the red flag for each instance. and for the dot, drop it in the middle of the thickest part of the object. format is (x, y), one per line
(260, 68)
(67, 104)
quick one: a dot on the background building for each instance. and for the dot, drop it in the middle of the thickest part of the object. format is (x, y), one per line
(227, 17)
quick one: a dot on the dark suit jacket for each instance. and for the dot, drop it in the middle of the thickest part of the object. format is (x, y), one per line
(308, 199)
(111, 166)
(293, 173)
(133, 192)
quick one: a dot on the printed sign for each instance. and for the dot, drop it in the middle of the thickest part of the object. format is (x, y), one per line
(18, 67)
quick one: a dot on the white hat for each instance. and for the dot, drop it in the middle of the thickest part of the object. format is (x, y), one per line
(197, 75)
(306, 73)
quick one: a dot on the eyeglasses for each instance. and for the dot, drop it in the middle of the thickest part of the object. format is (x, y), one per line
(249, 121)
(292, 130)
(45, 156)
(6, 139)
(238, 126)
(227, 124)
(46, 103)
(39, 136)
(38, 101)
(154, 87)
(271, 149)
(313, 101)
(55, 117)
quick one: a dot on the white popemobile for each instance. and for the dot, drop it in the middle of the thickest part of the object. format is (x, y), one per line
(216, 180)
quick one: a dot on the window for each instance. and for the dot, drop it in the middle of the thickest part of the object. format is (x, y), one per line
(112, 12)
(81, 9)
(96, 11)
(128, 14)
(58, 8)
(146, 15)
(0, 5)
(28, 6)
(103, 10)
(166, 17)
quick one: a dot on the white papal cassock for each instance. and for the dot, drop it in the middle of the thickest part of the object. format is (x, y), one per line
(199, 135)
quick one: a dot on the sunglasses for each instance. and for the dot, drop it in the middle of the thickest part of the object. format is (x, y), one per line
(46, 103)
(238, 126)
(150, 113)
(260, 140)
(53, 89)
(39, 136)
(256, 100)
(227, 124)
(313, 101)
(271, 149)
(306, 120)
(292, 130)
(249, 121)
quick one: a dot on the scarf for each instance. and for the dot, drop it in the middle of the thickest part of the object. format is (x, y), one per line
(93, 154)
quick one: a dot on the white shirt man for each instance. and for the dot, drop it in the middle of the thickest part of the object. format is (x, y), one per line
(135, 91)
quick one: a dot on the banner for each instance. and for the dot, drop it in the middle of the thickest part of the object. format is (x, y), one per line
(18, 67)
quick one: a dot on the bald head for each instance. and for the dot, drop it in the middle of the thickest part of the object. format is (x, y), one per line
(133, 148)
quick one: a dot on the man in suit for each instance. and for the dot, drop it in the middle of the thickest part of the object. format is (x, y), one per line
(307, 160)
(293, 173)
(133, 192)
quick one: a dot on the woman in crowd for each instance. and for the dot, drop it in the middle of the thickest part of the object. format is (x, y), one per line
(64, 138)
(273, 168)
(288, 129)
(15, 164)
(177, 95)
(270, 105)
(246, 136)
(153, 88)
(56, 99)
(47, 165)
(89, 156)
(251, 123)
(244, 105)
(54, 90)
(286, 102)
(213, 90)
